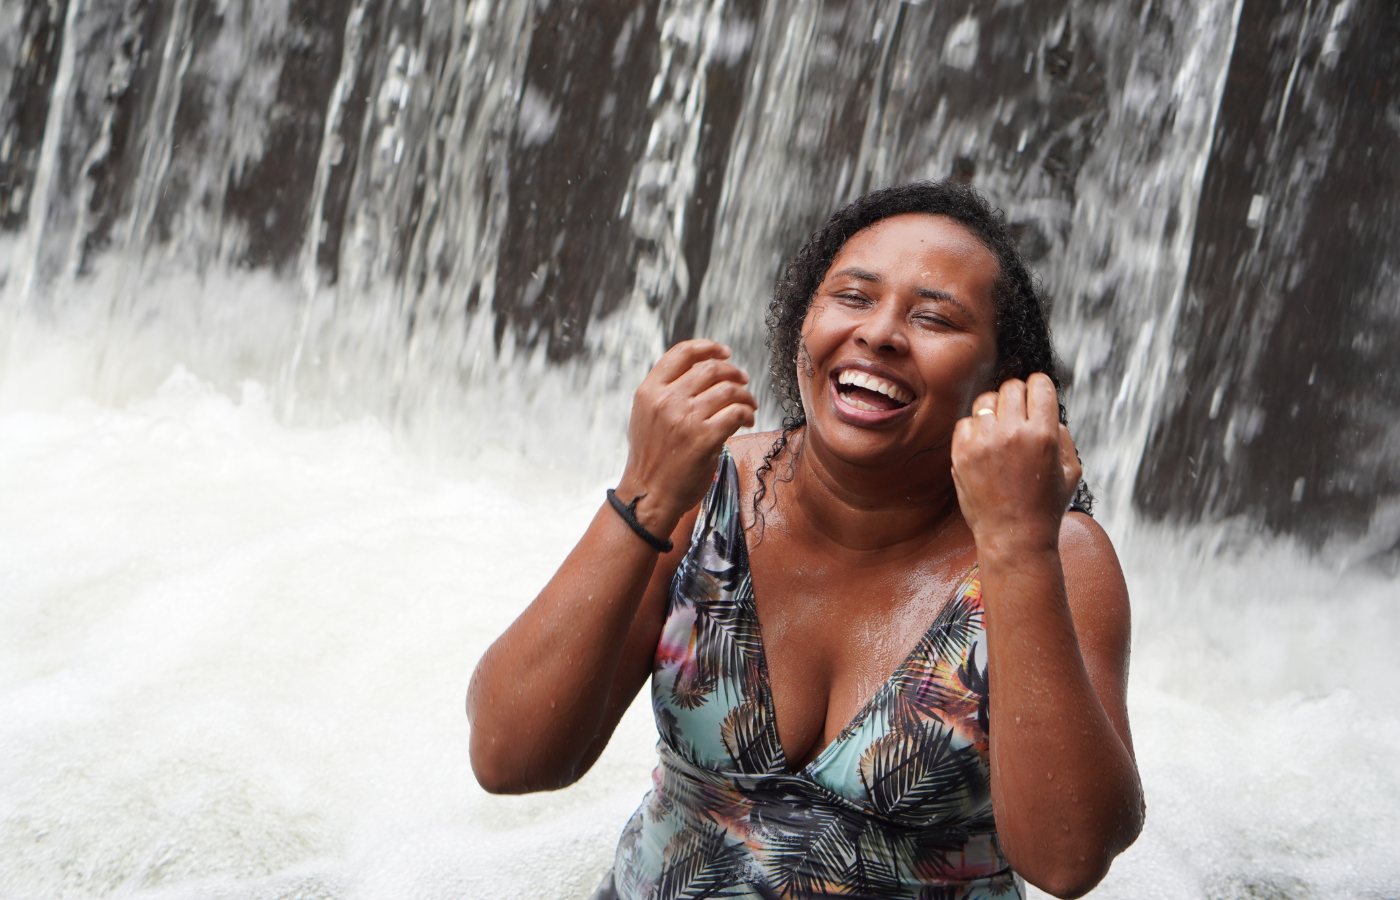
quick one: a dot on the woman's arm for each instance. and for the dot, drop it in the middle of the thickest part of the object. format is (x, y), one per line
(1065, 787)
(548, 693)
(546, 696)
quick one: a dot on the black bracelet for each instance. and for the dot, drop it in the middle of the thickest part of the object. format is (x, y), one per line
(628, 511)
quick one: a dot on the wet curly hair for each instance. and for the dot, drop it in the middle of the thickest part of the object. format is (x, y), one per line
(1023, 329)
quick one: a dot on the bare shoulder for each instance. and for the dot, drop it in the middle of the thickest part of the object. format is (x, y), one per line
(1098, 601)
(1090, 562)
(749, 450)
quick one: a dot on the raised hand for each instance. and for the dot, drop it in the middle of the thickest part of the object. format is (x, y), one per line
(1014, 464)
(548, 693)
(690, 403)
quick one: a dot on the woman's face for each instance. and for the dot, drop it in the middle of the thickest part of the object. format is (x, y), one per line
(899, 340)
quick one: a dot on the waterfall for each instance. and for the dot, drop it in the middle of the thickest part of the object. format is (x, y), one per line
(307, 303)
(383, 207)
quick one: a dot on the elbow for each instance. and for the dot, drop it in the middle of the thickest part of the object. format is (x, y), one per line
(505, 765)
(491, 771)
(491, 762)
(497, 769)
(491, 780)
(500, 771)
(495, 779)
(1070, 872)
(500, 777)
(1073, 871)
(1069, 882)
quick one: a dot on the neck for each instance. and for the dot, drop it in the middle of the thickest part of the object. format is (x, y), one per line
(874, 506)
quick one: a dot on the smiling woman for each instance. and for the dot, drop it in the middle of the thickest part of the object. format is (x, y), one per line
(823, 645)
(906, 312)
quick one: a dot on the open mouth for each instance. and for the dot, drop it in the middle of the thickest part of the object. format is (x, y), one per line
(870, 392)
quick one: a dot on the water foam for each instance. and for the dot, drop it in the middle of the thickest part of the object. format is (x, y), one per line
(235, 653)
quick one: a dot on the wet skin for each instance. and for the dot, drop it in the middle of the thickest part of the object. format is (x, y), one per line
(866, 544)
(891, 493)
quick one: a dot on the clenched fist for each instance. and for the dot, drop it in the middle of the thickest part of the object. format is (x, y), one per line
(1014, 464)
(690, 403)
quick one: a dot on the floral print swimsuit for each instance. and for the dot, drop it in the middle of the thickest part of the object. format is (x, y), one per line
(898, 806)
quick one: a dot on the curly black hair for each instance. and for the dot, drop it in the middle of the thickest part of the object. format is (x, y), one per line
(1023, 328)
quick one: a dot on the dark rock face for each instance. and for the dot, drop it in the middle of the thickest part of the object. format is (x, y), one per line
(724, 93)
(1284, 405)
(272, 196)
(587, 79)
(33, 68)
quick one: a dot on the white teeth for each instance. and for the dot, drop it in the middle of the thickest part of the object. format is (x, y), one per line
(872, 383)
(861, 404)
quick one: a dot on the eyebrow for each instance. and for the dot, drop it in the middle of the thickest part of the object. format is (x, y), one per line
(928, 293)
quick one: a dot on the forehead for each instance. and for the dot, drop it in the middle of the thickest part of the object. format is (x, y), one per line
(917, 244)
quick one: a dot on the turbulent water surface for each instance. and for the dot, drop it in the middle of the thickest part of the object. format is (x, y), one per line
(234, 653)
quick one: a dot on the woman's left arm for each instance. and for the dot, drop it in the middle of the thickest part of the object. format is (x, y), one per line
(1065, 787)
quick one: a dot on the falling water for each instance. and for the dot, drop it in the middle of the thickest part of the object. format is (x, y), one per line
(321, 319)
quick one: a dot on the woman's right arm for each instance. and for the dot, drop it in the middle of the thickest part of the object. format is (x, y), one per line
(548, 693)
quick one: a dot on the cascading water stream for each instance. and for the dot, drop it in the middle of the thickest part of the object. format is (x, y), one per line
(321, 322)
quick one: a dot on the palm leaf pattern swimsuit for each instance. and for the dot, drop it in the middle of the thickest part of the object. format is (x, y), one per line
(897, 806)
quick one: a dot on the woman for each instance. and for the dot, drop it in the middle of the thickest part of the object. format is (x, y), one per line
(885, 661)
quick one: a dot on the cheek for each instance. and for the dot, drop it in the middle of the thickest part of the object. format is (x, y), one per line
(968, 379)
(986, 382)
(823, 330)
(986, 366)
(991, 377)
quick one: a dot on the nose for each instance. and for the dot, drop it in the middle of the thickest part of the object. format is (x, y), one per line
(883, 329)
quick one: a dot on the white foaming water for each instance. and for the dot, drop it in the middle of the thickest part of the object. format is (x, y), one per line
(234, 653)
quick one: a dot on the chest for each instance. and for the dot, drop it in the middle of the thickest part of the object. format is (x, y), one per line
(835, 629)
(825, 685)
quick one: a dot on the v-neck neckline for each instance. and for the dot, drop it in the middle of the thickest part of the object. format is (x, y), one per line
(749, 604)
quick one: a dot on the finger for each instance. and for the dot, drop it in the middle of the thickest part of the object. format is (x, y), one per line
(731, 419)
(682, 357)
(963, 434)
(1011, 400)
(705, 374)
(985, 407)
(721, 395)
(1042, 403)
